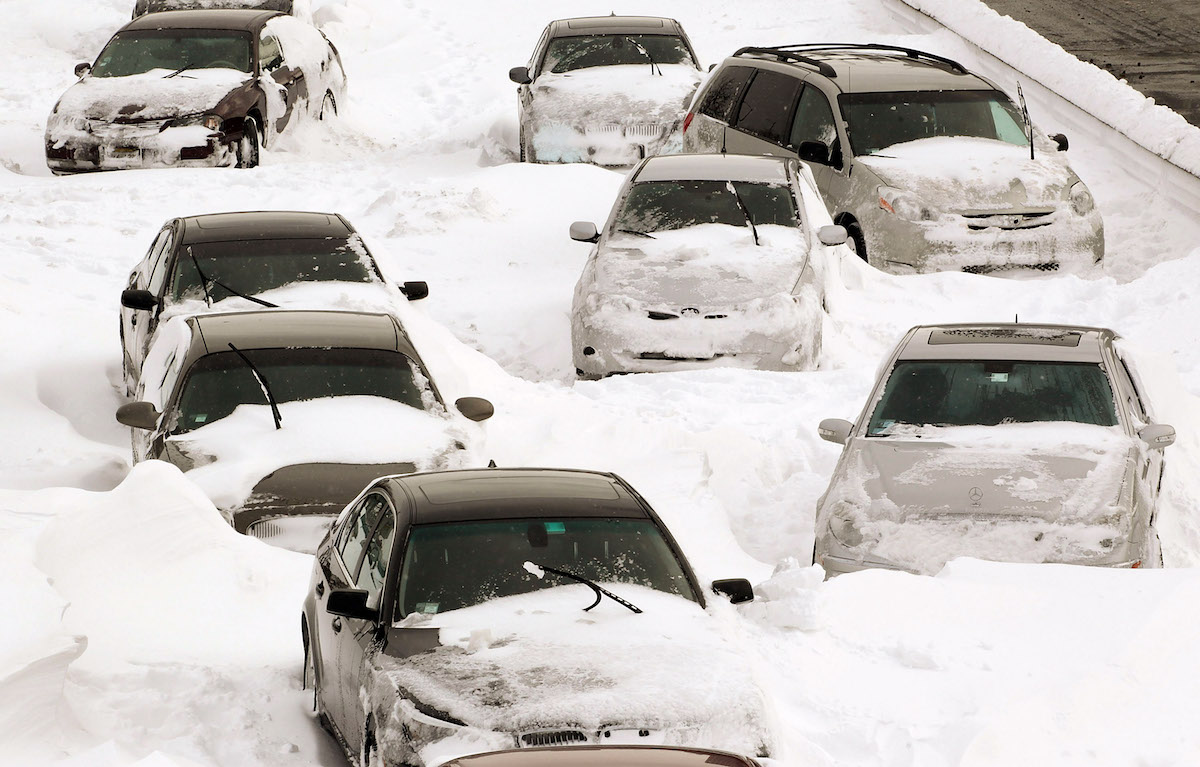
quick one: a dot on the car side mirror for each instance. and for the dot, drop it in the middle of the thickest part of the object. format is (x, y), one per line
(1158, 435)
(139, 415)
(415, 291)
(142, 300)
(351, 603)
(475, 408)
(738, 590)
(584, 231)
(813, 151)
(1061, 140)
(835, 430)
(82, 68)
(833, 234)
(520, 75)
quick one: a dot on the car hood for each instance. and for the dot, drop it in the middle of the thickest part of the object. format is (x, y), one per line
(627, 94)
(538, 661)
(149, 96)
(708, 267)
(974, 174)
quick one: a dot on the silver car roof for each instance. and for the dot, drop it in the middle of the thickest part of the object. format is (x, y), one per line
(876, 71)
(614, 25)
(1007, 341)
(715, 167)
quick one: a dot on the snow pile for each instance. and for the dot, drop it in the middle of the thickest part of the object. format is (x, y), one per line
(147, 96)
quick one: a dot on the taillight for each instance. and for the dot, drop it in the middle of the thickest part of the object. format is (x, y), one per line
(688, 120)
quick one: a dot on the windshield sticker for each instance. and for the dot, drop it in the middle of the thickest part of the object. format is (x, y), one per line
(556, 528)
(427, 608)
(999, 377)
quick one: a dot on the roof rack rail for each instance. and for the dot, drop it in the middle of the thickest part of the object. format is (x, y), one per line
(911, 53)
(787, 55)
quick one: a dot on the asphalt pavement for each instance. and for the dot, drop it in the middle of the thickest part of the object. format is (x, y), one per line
(1153, 44)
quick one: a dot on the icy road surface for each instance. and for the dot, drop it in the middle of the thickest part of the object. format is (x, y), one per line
(140, 630)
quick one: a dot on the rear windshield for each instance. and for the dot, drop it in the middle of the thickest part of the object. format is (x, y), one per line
(987, 393)
(453, 565)
(256, 266)
(217, 383)
(133, 53)
(653, 206)
(565, 54)
(876, 121)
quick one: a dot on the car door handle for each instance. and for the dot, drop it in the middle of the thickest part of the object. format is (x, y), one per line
(337, 625)
(321, 589)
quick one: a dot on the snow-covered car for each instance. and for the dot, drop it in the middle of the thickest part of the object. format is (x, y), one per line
(220, 261)
(456, 612)
(281, 416)
(142, 7)
(608, 90)
(193, 89)
(1017, 443)
(605, 756)
(706, 260)
(929, 166)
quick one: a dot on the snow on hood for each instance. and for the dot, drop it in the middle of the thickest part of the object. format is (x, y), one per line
(962, 173)
(626, 94)
(711, 266)
(234, 453)
(147, 96)
(328, 294)
(537, 661)
(1018, 492)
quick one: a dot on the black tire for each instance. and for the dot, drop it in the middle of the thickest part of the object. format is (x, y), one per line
(249, 146)
(857, 242)
(521, 145)
(328, 107)
(369, 756)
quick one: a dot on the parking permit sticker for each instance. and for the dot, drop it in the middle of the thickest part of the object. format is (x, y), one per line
(427, 608)
(556, 527)
(201, 417)
(999, 377)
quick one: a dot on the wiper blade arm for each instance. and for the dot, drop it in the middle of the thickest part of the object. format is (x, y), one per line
(639, 234)
(537, 571)
(181, 70)
(646, 53)
(262, 382)
(742, 207)
(208, 296)
(203, 279)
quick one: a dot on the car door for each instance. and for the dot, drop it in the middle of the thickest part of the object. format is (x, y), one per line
(1151, 462)
(813, 122)
(290, 86)
(715, 110)
(525, 92)
(157, 384)
(361, 636)
(131, 318)
(142, 323)
(763, 122)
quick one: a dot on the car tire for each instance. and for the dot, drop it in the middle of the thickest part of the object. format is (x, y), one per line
(328, 107)
(857, 242)
(249, 146)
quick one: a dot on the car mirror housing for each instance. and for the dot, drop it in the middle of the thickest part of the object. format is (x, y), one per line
(1061, 140)
(82, 68)
(833, 234)
(351, 603)
(520, 75)
(415, 291)
(138, 415)
(738, 590)
(835, 430)
(475, 408)
(584, 231)
(142, 300)
(1158, 435)
(813, 151)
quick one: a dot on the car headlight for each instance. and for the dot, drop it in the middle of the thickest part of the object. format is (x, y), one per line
(844, 523)
(212, 122)
(904, 204)
(1082, 201)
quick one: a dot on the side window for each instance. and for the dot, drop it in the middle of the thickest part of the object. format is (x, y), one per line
(814, 119)
(158, 273)
(378, 551)
(270, 55)
(539, 51)
(358, 529)
(722, 95)
(766, 110)
(1132, 395)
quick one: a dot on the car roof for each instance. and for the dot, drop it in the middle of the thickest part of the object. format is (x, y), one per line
(880, 71)
(603, 756)
(298, 329)
(715, 167)
(263, 225)
(614, 25)
(224, 18)
(483, 494)
(1007, 341)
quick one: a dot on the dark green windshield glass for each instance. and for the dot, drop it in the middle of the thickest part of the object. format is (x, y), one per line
(876, 121)
(256, 266)
(568, 53)
(133, 53)
(654, 206)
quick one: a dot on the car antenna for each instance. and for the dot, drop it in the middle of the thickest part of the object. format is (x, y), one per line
(1016, 319)
(1025, 114)
(262, 382)
(723, 140)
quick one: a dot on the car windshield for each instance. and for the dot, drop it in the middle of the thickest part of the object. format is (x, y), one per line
(256, 266)
(133, 53)
(565, 54)
(448, 566)
(219, 382)
(876, 121)
(988, 393)
(653, 206)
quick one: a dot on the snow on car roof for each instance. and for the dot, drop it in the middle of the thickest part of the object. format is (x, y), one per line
(224, 18)
(877, 71)
(715, 167)
(263, 225)
(614, 25)
(1063, 343)
(284, 329)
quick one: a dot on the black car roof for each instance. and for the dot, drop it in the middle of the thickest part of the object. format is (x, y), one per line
(483, 494)
(299, 329)
(226, 18)
(614, 25)
(263, 225)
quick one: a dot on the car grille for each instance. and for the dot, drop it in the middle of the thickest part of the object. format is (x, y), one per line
(663, 356)
(1049, 266)
(1030, 220)
(553, 738)
(637, 131)
(673, 316)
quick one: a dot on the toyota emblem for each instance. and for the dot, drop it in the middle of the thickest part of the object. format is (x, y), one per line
(975, 494)
(691, 310)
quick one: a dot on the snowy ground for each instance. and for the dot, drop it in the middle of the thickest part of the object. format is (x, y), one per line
(140, 630)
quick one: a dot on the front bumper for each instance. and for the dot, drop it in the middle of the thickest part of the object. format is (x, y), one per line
(611, 144)
(128, 147)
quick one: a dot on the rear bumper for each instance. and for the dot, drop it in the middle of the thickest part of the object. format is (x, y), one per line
(610, 144)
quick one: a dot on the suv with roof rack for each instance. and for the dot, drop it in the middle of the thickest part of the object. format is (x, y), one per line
(928, 166)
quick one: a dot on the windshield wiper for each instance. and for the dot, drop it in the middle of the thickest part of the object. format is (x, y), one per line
(646, 53)
(262, 382)
(540, 571)
(639, 234)
(742, 207)
(208, 296)
(181, 70)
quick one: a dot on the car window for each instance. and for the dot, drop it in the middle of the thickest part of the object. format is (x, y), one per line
(153, 254)
(158, 273)
(141, 51)
(653, 206)
(814, 119)
(876, 121)
(379, 515)
(358, 529)
(566, 54)
(270, 55)
(539, 50)
(1133, 398)
(722, 95)
(766, 109)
